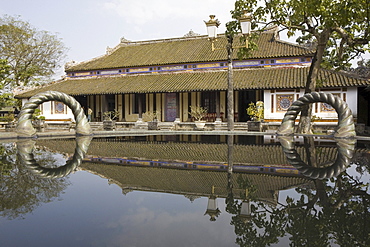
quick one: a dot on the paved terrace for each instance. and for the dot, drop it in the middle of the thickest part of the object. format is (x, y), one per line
(70, 133)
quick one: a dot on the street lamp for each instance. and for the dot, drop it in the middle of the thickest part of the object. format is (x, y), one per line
(212, 209)
(245, 210)
(245, 23)
(212, 25)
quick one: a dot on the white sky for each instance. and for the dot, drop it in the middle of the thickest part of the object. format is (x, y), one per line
(87, 27)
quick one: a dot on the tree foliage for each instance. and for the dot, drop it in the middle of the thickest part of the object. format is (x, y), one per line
(32, 55)
(4, 72)
(7, 99)
(22, 191)
(326, 212)
(319, 213)
(339, 31)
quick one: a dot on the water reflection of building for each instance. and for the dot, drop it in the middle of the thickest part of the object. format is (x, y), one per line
(192, 183)
(194, 177)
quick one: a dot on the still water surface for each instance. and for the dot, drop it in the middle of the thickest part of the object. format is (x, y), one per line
(161, 191)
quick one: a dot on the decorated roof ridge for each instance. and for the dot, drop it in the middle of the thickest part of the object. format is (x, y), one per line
(203, 71)
(198, 49)
(125, 42)
(258, 68)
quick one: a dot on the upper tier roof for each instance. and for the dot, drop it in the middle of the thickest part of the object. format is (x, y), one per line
(185, 50)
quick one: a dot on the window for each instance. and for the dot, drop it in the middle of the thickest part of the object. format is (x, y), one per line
(283, 102)
(111, 102)
(137, 101)
(59, 108)
(209, 101)
(185, 66)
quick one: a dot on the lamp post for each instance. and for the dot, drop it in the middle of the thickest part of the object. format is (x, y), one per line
(212, 209)
(212, 25)
(245, 209)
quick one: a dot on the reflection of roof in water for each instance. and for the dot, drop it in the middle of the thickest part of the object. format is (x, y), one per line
(192, 183)
(188, 151)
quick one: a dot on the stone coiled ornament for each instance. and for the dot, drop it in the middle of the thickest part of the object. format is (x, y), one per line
(24, 126)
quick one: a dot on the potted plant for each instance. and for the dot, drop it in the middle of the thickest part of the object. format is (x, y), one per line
(256, 113)
(152, 116)
(198, 113)
(38, 121)
(109, 119)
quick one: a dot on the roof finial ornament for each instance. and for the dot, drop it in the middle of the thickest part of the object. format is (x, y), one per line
(70, 64)
(125, 41)
(109, 50)
(191, 33)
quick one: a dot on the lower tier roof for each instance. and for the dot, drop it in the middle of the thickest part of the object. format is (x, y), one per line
(192, 81)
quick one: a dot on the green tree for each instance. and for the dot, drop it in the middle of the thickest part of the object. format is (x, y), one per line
(22, 191)
(327, 211)
(4, 72)
(6, 99)
(32, 55)
(339, 29)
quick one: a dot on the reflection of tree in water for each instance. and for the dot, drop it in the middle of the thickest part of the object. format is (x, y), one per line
(335, 210)
(248, 230)
(21, 191)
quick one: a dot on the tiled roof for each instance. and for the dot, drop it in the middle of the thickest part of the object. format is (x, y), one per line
(212, 80)
(188, 151)
(186, 50)
(194, 182)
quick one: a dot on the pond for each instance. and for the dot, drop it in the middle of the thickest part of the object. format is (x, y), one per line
(185, 190)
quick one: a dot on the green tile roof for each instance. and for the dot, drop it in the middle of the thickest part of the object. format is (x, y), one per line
(194, 182)
(212, 80)
(188, 151)
(185, 50)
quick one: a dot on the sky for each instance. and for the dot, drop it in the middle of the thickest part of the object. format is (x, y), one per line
(87, 27)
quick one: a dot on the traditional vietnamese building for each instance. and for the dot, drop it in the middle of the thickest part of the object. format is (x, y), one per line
(170, 75)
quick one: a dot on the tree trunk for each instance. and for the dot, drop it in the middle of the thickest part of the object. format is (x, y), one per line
(230, 85)
(304, 126)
